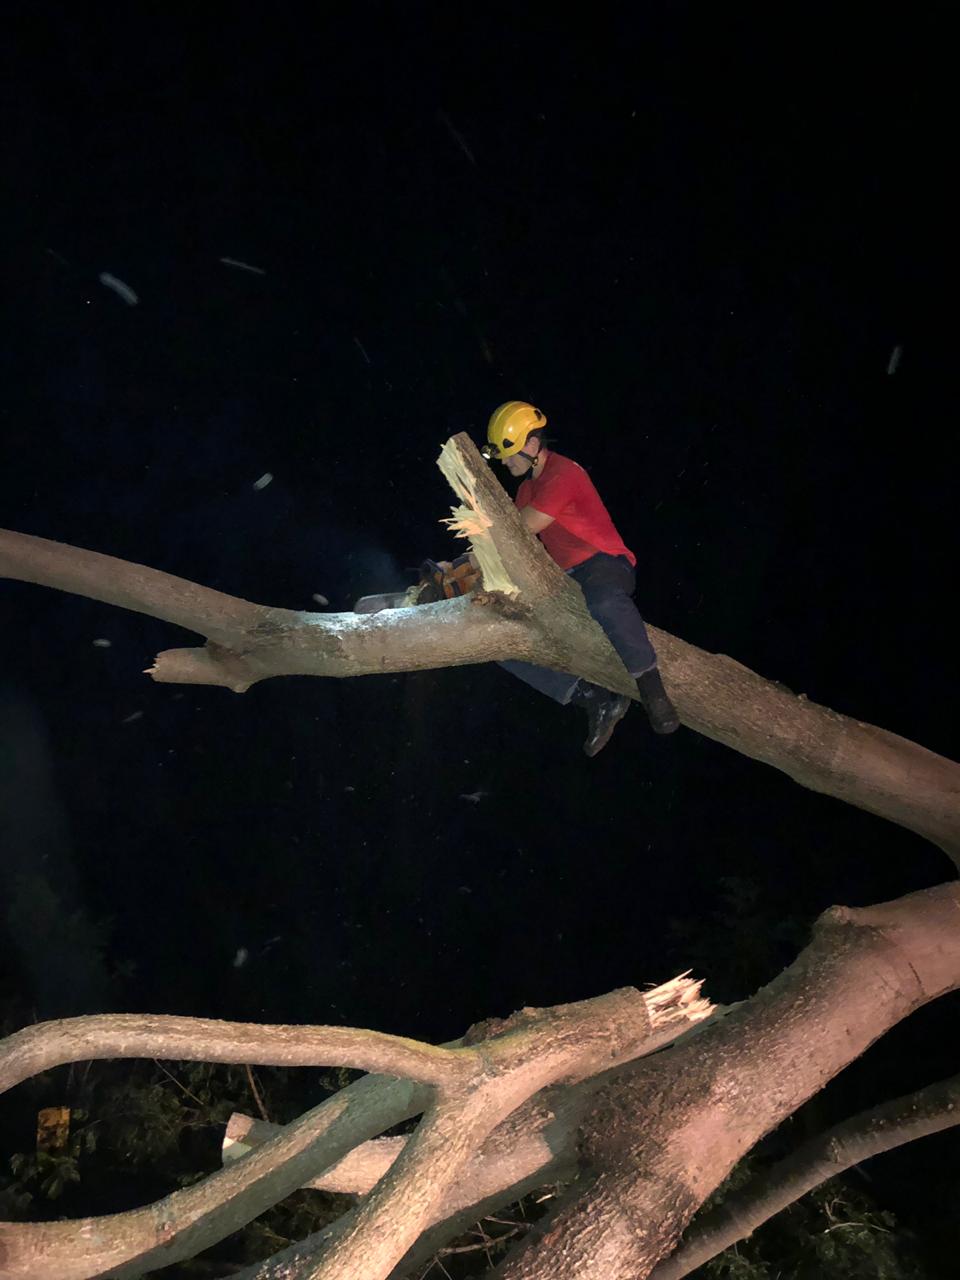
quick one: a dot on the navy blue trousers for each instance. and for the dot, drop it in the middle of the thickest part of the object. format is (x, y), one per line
(607, 583)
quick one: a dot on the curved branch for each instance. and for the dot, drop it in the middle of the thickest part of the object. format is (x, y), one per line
(182, 1224)
(133, 1035)
(473, 1085)
(894, 1123)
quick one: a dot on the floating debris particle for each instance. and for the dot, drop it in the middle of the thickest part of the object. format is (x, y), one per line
(134, 715)
(894, 360)
(349, 788)
(319, 598)
(263, 481)
(362, 349)
(474, 796)
(457, 136)
(102, 644)
(241, 957)
(58, 256)
(243, 266)
(119, 288)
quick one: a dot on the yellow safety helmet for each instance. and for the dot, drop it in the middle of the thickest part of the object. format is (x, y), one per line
(509, 427)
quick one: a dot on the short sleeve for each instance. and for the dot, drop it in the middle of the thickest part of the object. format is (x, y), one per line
(556, 491)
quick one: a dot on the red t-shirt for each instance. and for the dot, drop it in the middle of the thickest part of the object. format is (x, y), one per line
(581, 523)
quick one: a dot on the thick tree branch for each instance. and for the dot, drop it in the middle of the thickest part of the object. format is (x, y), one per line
(671, 1128)
(132, 1035)
(535, 1146)
(858, 763)
(536, 614)
(472, 1086)
(890, 1125)
(521, 1057)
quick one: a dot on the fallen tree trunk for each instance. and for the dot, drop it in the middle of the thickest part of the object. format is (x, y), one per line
(666, 1132)
(528, 610)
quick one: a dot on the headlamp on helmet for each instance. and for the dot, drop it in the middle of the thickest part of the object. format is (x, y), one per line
(509, 427)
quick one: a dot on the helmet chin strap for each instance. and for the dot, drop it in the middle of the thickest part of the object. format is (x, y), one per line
(532, 458)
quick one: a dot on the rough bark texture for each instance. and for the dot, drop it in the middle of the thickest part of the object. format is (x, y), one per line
(890, 1125)
(669, 1130)
(651, 1139)
(541, 618)
(464, 1090)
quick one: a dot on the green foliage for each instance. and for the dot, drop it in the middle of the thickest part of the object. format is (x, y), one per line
(163, 1121)
(144, 1121)
(734, 1265)
(46, 1171)
(835, 1231)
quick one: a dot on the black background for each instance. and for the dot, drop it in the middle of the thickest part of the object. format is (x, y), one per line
(693, 236)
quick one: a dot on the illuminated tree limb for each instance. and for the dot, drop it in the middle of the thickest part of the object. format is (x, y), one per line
(536, 614)
(894, 1123)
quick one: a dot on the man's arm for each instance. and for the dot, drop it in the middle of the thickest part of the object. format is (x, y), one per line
(536, 521)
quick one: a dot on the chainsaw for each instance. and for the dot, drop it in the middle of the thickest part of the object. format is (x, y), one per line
(439, 580)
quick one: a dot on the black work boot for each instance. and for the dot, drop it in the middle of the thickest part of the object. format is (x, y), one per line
(604, 711)
(660, 710)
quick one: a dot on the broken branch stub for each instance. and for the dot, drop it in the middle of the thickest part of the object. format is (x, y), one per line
(515, 564)
(511, 559)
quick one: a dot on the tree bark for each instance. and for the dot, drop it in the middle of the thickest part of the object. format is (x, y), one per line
(902, 1120)
(668, 1131)
(464, 1090)
(537, 614)
(515, 1103)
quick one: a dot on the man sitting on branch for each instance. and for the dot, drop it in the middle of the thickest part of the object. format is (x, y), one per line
(560, 505)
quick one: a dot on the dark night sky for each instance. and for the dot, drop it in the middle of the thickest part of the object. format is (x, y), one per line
(694, 239)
